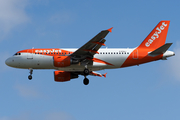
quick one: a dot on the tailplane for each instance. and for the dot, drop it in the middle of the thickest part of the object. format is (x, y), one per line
(160, 50)
(157, 37)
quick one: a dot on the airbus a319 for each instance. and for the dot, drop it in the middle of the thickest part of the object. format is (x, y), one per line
(69, 63)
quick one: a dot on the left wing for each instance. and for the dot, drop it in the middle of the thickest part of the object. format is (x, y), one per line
(91, 47)
(97, 74)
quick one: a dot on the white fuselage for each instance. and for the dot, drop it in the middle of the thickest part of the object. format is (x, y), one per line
(111, 57)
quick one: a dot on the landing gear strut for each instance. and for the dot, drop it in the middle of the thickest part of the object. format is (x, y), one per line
(30, 76)
(86, 72)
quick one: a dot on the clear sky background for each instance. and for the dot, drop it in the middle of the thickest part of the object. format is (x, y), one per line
(147, 92)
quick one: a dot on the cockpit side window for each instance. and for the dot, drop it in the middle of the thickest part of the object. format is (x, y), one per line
(17, 54)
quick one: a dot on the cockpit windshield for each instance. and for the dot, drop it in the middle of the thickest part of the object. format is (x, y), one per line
(17, 54)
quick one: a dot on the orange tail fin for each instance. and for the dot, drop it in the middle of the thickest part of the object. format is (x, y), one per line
(157, 37)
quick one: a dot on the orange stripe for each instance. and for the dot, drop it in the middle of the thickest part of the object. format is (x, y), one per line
(142, 57)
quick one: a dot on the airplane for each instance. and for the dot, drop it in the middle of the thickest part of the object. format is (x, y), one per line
(70, 63)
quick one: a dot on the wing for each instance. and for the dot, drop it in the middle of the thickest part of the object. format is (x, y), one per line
(97, 74)
(91, 47)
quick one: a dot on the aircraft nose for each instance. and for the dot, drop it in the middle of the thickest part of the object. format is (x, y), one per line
(7, 61)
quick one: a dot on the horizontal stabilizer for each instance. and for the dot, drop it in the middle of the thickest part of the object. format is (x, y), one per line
(160, 50)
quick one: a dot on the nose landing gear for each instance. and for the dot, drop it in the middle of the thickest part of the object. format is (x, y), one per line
(30, 76)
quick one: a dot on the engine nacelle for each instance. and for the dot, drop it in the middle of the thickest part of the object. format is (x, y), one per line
(62, 76)
(64, 61)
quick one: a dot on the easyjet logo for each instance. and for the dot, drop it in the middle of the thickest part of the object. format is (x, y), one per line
(156, 34)
(48, 51)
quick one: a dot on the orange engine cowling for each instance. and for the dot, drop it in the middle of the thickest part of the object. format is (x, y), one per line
(62, 61)
(62, 76)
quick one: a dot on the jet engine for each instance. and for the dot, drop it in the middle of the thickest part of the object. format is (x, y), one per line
(64, 61)
(62, 76)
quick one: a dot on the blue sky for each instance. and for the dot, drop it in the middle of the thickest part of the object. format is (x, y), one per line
(145, 92)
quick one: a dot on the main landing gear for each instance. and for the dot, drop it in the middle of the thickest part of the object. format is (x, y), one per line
(30, 76)
(86, 80)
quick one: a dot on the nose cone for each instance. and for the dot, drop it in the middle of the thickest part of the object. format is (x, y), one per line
(8, 62)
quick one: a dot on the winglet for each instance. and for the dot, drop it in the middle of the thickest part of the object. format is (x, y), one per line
(110, 29)
(104, 74)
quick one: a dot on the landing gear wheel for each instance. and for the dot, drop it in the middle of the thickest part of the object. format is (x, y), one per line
(30, 77)
(86, 81)
(30, 71)
(86, 71)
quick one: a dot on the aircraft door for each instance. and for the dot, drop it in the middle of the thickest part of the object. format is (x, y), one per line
(135, 54)
(30, 54)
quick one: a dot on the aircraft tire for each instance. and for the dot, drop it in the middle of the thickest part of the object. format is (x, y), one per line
(86, 81)
(30, 77)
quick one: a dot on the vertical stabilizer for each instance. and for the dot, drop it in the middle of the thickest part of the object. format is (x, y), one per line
(157, 37)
